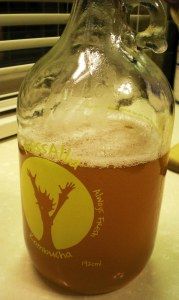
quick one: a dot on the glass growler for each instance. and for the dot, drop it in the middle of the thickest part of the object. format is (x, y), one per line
(95, 118)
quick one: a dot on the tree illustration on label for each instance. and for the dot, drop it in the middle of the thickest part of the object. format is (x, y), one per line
(46, 206)
(57, 206)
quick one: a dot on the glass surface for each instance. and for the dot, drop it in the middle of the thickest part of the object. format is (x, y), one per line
(95, 119)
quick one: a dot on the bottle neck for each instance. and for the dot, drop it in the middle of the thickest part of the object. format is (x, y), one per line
(96, 19)
(84, 4)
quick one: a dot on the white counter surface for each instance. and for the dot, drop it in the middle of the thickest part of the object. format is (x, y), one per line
(18, 279)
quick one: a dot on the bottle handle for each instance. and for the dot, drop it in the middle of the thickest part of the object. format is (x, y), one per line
(153, 37)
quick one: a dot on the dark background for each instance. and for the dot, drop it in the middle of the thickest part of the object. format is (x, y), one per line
(9, 58)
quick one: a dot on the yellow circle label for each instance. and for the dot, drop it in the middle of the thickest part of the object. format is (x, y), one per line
(58, 208)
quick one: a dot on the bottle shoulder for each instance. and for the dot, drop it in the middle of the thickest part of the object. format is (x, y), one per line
(93, 73)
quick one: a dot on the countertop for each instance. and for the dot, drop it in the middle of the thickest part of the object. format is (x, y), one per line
(19, 280)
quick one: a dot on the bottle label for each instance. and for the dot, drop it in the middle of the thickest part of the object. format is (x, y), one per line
(59, 209)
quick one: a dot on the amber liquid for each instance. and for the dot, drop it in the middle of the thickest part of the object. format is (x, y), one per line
(131, 200)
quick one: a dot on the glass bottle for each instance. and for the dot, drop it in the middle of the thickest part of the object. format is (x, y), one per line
(95, 118)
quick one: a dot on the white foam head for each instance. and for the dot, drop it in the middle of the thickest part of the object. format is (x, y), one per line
(117, 140)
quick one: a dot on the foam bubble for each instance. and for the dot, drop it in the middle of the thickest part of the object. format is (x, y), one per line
(119, 142)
